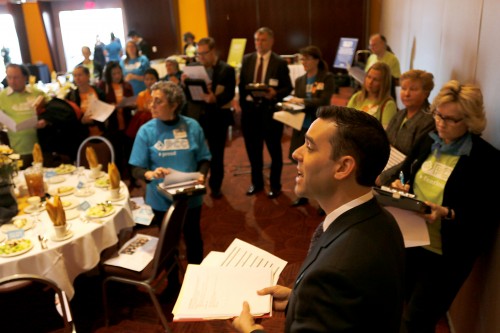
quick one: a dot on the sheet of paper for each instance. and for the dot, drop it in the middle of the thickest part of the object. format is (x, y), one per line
(143, 215)
(412, 226)
(196, 92)
(197, 72)
(213, 258)
(178, 178)
(12, 126)
(127, 102)
(100, 110)
(245, 255)
(294, 120)
(288, 106)
(395, 158)
(210, 292)
(135, 254)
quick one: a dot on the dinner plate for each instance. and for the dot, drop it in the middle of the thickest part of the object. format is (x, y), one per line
(11, 226)
(34, 209)
(84, 192)
(2, 237)
(102, 182)
(69, 204)
(71, 214)
(63, 191)
(65, 169)
(100, 210)
(121, 197)
(54, 238)
(56, 179)
(15, 247)
(100, 175)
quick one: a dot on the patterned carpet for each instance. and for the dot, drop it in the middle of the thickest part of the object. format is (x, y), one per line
(271, 224)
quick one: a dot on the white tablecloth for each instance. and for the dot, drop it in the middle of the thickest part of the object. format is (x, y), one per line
(64, 260)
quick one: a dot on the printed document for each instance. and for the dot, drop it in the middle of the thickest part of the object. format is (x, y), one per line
(12, 126)
(100, 110)
(395, 158)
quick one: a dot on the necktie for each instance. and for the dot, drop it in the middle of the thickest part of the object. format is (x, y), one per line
(316, 235)
(260, 69)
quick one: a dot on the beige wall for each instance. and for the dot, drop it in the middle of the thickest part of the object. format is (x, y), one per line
(457, 39)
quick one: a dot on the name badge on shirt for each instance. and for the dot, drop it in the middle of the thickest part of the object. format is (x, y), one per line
(178, 134)
(273, 82)
(320, 86)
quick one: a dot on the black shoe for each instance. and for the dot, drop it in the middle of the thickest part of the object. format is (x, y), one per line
(273, 194)
(216, 194)
(300, 202)
(253, 189)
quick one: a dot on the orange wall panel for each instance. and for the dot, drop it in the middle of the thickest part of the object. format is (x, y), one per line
(37, 38)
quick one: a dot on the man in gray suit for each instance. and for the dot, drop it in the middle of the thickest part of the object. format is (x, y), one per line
(257, 123)
(352, 278)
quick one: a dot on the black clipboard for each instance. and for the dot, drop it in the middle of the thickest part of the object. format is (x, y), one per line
(257, 90)
(395, 199)
(194, 88)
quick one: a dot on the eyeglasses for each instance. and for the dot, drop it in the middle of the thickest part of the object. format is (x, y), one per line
(445, 119)
(203, 53)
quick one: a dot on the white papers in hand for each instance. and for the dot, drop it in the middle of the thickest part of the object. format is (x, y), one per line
(197, 72)
(178, 178)
(412, 226)
(100, 110)
(196, 92)
(136, 254)
(14, 127)
(294, 120)
(210, 292)
(395, 158)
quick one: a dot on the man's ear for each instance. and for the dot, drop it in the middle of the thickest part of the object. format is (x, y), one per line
(345, 166)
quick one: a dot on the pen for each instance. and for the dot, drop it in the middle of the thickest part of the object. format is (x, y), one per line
(402, 177)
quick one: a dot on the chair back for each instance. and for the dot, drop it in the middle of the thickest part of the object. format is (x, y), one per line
(22, 286)
(103, 149)
(170, 235)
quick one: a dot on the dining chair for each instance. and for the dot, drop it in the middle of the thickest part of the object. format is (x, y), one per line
(43, 304)
(103, 148)
(165, 259)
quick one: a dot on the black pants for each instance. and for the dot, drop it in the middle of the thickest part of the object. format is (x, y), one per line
(215, 123)
(258, 126)
(191, 232)
(432, 283)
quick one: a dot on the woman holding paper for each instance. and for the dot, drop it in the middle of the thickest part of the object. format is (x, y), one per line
(313, 89)
(439, 170)
(116, 89)
(82, 96)
(415, 120)
(168, 142)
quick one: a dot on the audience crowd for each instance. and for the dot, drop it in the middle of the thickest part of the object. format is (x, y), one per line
(161, 124)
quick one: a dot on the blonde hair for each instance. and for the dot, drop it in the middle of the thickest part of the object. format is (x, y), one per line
(469, 99)
(385, 85)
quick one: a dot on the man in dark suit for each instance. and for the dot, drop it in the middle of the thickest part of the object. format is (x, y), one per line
(257, 123)
(214, 111)
(352, 277)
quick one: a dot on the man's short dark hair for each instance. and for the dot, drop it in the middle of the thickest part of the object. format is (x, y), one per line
(153, 72)
(209, 41)
(361, 136)
(24, 70)
(133, 33)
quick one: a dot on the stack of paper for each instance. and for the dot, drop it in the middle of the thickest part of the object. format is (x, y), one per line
(217, 288)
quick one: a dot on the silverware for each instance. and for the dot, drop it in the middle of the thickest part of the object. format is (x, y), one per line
(43, 241)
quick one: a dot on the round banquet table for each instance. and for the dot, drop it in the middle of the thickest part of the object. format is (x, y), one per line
(64, 260)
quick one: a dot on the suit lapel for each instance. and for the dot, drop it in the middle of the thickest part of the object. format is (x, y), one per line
(343, 223)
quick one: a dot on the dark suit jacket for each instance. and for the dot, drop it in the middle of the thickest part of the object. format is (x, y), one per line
(465, 237)
(277, 69)
(352, 281)
(223, 86)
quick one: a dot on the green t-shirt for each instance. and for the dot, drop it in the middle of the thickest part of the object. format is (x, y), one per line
(373, 108)
(388, 58)
(19, 107)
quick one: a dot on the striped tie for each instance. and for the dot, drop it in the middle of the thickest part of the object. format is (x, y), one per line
(316, 235)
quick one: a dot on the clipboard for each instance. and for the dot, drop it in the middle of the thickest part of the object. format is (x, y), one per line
(399, 200)
(195, 88)
(257, 90)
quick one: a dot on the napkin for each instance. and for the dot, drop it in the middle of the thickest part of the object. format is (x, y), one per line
(37, 154)
(56, 211)
(91, 157)
(114, 176)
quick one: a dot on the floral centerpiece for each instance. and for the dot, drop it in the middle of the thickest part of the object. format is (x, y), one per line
(8, 164)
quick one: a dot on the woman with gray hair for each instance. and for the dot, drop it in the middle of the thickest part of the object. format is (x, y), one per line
(441, 171)
(170, 142)
(173, 71)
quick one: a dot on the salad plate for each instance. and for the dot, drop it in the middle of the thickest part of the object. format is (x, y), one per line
(15, 247)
